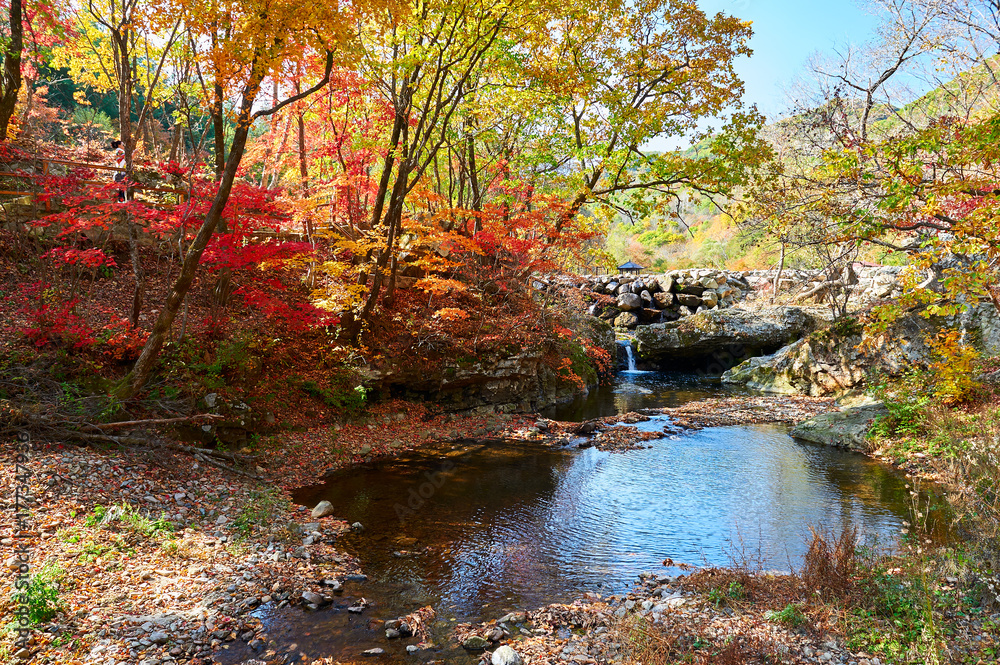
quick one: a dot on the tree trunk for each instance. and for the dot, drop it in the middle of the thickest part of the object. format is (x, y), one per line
(219, 126)
(144, 365)
(11, 68)
(175, 142)
(220, 294)
(138, 273)
(124, 70)
(143, 368)
(390, 291)
(777, 276)
(29, 105)
(276, 174)
(303, 166)
(477, 197)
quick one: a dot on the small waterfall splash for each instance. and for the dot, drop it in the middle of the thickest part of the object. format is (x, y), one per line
(629, 354)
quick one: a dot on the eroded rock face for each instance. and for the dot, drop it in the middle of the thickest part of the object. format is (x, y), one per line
(823, 364)
(521, 382)
(805, 367)
(726, 335)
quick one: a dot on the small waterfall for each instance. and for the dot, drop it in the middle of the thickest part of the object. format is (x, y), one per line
(629, 354)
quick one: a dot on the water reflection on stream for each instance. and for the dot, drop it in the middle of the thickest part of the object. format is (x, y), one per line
(517, 526)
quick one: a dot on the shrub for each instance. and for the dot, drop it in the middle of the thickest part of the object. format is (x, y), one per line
(791, 616)
(41, 596)
(52, 321)
(338, 394)
(907, 408)
(954, 368)
(128, 517)
(831, 563)
(119, 342)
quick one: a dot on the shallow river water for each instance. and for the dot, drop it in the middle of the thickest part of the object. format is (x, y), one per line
(480, 531)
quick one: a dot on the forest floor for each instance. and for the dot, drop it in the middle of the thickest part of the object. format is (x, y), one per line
(143, 557)
(157, 559)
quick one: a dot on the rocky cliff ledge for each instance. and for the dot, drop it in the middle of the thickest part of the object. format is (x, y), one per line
(828, 363)
(520, 382)
(715, 340)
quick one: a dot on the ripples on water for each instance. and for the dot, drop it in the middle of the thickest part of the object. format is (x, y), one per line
(517, 526)
(521, 525)
(640, 390)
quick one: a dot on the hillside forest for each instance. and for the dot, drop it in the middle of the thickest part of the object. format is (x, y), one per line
(389, 190)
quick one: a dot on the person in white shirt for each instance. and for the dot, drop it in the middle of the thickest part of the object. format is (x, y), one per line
(120, 163)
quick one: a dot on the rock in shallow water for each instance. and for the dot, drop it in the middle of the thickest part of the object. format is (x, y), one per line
(475, 643)
(845, 429)
(313, 598)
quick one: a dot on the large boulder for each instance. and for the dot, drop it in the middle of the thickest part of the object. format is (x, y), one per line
(649, 315)
(663, 299)
(629, 301)
(688, 300)
(847, 428)
(626, 320)
(733, 333)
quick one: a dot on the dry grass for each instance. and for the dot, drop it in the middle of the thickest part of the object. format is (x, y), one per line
(675, 642)
(831, 563)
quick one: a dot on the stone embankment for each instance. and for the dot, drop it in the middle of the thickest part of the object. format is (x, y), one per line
(630, 301)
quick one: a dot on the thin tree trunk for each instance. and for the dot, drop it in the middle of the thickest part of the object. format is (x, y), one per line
(276, 174)
(11, 68)
(477, 201)
(303, 166)
(175, 142)
(270, 141)
(138, 273)
(390, 292)
(777, 276)
(144, 365)
(220, 293)
(29, 105)
(143, 368)
(219, 125)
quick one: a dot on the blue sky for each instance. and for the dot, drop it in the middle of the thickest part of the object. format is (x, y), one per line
(786, 34)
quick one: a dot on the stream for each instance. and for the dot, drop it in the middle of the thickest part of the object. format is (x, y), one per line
(479, 531)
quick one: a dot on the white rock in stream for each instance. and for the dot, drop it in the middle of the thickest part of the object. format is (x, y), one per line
(322, 509)
(506, 656)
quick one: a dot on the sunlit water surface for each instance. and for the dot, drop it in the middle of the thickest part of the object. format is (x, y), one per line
(478, 531)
